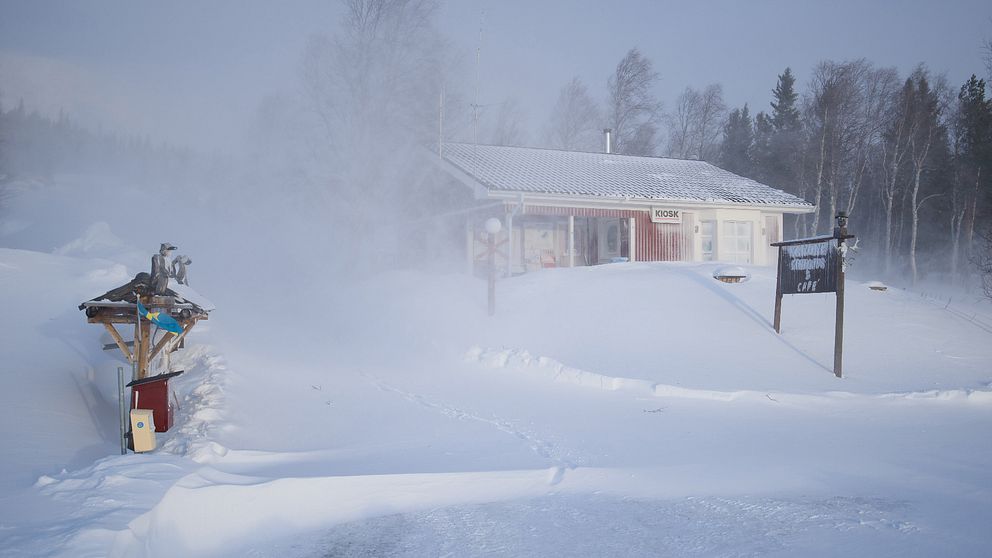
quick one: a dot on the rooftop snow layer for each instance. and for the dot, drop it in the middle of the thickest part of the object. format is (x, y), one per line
(550, 171)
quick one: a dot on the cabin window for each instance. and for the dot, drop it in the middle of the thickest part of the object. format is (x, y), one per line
(706, 229)
(737, 236)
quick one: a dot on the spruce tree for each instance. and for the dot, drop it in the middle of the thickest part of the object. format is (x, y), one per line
(785, 115)
(974, 138)
(761, 149)
(778, 137)
(738, 136)
(974, 122)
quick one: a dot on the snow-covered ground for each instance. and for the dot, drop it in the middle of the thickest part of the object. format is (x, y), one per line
(622, 410)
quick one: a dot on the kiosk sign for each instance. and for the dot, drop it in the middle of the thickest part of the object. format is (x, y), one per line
(666, 215)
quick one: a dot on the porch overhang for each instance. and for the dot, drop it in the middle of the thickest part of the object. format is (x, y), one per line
(629, 204)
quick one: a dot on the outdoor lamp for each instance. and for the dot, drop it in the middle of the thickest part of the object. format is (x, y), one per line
(493, 225)
(842, 219)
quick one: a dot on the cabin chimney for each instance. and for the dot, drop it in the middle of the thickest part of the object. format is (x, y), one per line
(608, 133)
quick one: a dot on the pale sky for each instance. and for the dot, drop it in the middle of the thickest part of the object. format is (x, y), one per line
(193, 72)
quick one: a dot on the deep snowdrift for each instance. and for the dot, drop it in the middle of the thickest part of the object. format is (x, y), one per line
(628, 409)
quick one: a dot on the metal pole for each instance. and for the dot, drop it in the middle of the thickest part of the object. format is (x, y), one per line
(137, 339)
(509, 244)
(841, 232)
(469, 248)
(121, 409)
(492, 274)
(440, 124)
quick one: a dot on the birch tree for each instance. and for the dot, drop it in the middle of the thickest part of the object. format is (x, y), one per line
(823, 109)
(900, 126)
(708, 122)
(843, 116)
(928, 131)
(508, 125)
(3, 159)
(372, 89)
(632, 108)
(680, 123)
(696, 123)
(574, 122)
(876, 89)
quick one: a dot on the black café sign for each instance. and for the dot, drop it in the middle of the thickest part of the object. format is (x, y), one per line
(809, 268)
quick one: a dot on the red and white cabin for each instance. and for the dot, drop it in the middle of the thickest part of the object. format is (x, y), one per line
(572, 208)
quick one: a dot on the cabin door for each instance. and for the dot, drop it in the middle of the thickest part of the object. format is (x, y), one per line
(609, 240)
(771, 235)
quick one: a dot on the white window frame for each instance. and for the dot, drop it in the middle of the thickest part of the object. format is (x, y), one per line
(707, 255)
(738, 245)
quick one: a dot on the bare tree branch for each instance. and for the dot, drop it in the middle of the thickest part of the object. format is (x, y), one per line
(574, 122)
(632, 107)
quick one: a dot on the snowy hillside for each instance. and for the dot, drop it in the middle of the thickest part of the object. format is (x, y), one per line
(622, 410)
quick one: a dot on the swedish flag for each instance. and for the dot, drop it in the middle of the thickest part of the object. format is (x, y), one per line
(164, 321)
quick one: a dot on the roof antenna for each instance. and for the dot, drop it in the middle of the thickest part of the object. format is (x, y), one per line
(475, 105)
(440, 122)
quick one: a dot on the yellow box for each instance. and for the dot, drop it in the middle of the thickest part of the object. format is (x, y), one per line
(142, 430)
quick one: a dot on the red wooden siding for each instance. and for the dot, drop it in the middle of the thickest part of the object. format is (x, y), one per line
(578, 211)
(656, 242)
(664, 242)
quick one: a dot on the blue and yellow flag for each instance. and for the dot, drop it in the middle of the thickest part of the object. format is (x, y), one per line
(164, 321)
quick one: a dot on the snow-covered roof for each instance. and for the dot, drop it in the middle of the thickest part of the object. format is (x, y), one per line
(609, 176)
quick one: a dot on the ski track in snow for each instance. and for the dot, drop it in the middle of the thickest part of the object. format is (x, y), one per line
(522, 360)
(970, 316)
(584, 525)
(539, 446)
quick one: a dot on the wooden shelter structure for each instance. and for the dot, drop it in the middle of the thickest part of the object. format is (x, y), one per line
(118, 307)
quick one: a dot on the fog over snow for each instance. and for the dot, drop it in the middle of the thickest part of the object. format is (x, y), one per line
(203, 67)
(351, 396)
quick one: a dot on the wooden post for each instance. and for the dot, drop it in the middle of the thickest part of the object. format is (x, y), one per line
(136, 347)
(841, 233)
(632, 239)
(145, 352)
(571, 241)
(121, 344)
(142, 345)
(174, 339)
(159, 346)
(778, 293)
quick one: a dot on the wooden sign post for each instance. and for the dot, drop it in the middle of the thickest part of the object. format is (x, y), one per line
(815, 265)
(840, 233)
